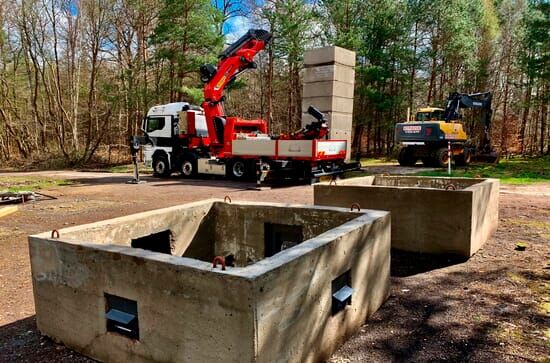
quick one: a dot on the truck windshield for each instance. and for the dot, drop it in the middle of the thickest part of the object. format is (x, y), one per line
(154, 123)
(429, 116)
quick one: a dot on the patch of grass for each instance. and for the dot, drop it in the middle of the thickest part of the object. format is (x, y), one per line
(519, 170)
(532, 223)
(128, 168)
(515, 277)
(355, 174)
(377, 161)
(30, 183)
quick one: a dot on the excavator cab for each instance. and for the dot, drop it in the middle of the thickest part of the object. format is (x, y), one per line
(430, 114)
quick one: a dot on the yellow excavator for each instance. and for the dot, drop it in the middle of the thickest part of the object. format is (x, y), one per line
(428, 136)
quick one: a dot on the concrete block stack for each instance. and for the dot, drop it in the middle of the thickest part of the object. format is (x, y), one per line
(329, 82)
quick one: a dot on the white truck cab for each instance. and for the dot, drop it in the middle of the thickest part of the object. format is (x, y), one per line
(164, 123)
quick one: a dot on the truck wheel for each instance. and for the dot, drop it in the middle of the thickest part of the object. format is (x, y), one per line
(442, 157)
(463, 159)
(161, 167)
(188, 167)
(238, 170)
(406, 157)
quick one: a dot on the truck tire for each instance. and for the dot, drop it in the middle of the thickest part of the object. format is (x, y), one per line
(239, 170)
(463, 159)
(161, 168)
(406, 157)
(188, 167)
(442, 157)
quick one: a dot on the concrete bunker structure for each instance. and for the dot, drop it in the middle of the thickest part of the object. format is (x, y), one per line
(429, 214)
(143, 287)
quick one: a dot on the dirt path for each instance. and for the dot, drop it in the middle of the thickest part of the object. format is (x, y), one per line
(493, 307)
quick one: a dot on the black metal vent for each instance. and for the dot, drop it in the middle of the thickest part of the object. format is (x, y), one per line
(341, 292)
(122, 316)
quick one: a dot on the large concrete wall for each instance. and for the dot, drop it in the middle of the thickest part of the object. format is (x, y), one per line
(484, 212)
(185, 222)
(186, 314)
(274, 310)
(329, 83)
(295, 323)
(425, 217)
(240, 229)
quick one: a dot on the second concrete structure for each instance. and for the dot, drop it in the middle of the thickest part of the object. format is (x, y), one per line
(429, 215)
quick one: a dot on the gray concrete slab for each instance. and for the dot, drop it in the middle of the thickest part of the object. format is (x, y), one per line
(330, 54)
(332, 72)
(327, 88)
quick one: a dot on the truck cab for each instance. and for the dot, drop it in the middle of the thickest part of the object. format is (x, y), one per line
(168, 127)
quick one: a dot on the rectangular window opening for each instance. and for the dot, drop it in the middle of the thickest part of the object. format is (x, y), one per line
(341, 292)
(155, 242)
(155, 123)
(279, 237)
(122, 316)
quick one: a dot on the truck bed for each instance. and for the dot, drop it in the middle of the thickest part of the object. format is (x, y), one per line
(315, 150)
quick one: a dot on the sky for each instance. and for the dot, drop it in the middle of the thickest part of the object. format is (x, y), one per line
(236, 26)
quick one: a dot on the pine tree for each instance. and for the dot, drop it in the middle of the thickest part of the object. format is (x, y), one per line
(186, 36)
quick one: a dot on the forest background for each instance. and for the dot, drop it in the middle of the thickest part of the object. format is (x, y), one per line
(77, 76)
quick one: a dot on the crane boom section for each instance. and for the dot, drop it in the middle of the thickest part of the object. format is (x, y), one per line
(235, 59)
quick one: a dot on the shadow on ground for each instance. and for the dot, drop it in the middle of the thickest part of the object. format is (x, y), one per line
(20, 341)
(199, 181)
(452, 318)
(411, 263)
(448, 318)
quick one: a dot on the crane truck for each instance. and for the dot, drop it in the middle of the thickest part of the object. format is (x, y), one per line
(191, 140)
(427, 137)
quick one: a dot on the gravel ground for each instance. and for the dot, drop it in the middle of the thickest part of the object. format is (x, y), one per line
(494, 307)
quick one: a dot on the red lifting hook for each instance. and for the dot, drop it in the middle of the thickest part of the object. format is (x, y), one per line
(219, 259)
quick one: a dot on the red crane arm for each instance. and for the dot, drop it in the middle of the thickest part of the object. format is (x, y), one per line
(229, 67)
(233, 60)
